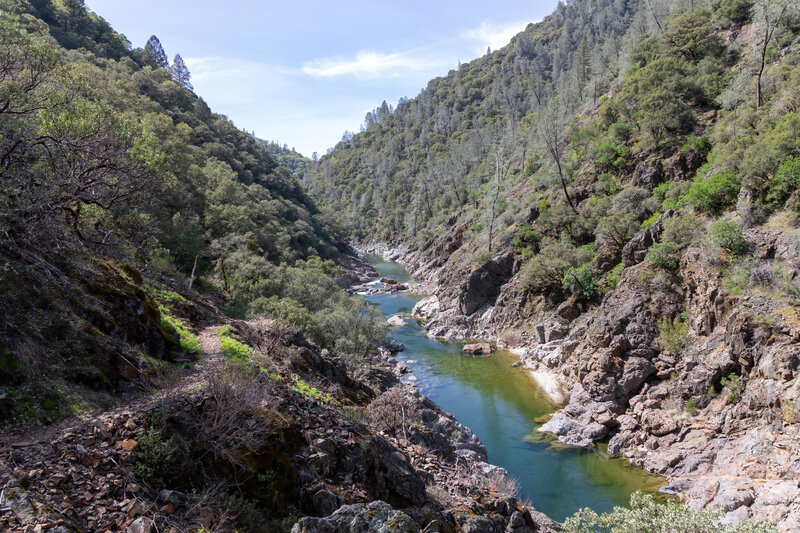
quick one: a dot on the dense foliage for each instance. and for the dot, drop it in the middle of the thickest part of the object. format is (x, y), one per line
(109, 161)
(646, 515)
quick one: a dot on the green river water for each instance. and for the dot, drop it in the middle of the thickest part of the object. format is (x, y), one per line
(503, 407)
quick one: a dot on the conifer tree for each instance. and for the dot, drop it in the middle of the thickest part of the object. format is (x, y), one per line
(180, 72)
(156, 52)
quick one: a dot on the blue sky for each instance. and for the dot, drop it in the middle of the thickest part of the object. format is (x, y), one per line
(302, 72)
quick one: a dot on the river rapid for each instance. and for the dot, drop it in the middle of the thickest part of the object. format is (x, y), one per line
(503, 407)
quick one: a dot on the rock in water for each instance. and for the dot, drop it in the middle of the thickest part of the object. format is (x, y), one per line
(481, 348)
(426, 308)
(392, 346)
(396, 320)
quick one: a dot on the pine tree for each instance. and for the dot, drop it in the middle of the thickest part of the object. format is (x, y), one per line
(156, 52)
(180, 72)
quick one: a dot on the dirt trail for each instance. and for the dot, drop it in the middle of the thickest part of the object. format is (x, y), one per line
(79, 468)
(187, 378)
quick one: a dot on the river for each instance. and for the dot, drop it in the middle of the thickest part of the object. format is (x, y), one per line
(503, 407)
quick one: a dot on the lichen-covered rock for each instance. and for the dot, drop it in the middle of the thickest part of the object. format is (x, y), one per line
(375, 517)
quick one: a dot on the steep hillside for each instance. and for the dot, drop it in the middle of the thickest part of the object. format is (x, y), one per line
(118, 182)
(296, 162)
(624, 216)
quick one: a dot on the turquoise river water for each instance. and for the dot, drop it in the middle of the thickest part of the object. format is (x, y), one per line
(503, 407)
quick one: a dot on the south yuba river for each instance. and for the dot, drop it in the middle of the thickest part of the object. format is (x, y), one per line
(503, 407)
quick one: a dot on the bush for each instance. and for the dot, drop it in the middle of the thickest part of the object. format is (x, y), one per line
(734, 386)
(716, 193)
(696, 145)
(652, 220)
(285, 311)
(728, 236)
(581, 282)
(646, 515)
(671, 195)
(662, 255)
(233, 349)
(612, 279)
(733, 10)
(162, 460)
(681, 230)
(691, 407)
(619, 132)
(392, 411)
(545, 271)
(610, 156)
(785, 182)
(673, 333)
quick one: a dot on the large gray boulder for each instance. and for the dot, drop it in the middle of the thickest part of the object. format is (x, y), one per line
(377, 517)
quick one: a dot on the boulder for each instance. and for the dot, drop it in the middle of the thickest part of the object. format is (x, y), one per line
(426, 308)
(140, 525)
(481, 348)
(636, 249)
(484, 283)
(649, 176)
(396, 321)
(392, 346)
(378, 517)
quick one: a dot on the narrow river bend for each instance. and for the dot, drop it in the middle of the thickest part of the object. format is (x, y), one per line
(503, 407)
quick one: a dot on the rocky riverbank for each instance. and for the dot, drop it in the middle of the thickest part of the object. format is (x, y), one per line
(715, 413)
(301, 438)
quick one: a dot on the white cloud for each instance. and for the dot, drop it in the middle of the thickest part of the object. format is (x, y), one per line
(493, 36)
(371, 65)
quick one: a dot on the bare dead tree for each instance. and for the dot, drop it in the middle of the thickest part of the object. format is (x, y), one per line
(769, 14)
(551, 125)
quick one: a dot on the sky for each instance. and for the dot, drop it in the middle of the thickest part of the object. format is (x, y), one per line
(303, 72)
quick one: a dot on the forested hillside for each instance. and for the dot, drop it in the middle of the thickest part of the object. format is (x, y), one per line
(567, 112)
(113, 170)
(286, 157)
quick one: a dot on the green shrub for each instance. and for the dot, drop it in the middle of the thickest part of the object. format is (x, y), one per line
(545, 271)
(697, 145)
(606, 185)
(619, 132)
(652, 220)
(646, 515)
(691, 407)
(161, 460)
(733, 10)
(681, 230)
(284, 311)
(734, 386)
(728, 236)
(673, 333)
(307, 390)
(611, 156)
(581, 282)
(785, 182)
(662, 255)
(716, 193)
(612, 279)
